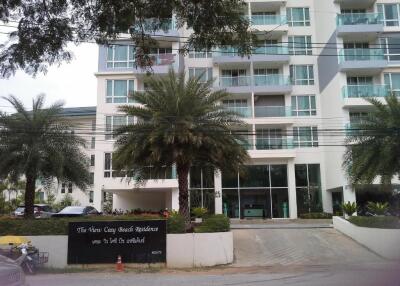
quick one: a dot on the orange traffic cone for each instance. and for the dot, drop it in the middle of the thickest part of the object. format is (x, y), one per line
(119, 266)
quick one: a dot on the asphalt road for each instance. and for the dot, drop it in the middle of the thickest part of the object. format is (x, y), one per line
(366, 275)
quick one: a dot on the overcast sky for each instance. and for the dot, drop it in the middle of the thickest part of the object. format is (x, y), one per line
(73, 82)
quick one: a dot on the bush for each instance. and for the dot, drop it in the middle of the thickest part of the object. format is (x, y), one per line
(214, 223)
(378, 208)
(176, 223)
(315, 215)
(376, 221)
(199, 212)
(349, 208)
(52, 226)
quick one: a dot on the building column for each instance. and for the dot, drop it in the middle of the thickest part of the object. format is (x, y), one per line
(175, 199)
(349, 194)
(292, 190)
(218, 192)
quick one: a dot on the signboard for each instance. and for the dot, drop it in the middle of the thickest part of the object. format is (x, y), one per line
(103, 241)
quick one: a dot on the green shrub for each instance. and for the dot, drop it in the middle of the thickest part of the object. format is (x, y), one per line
(376, 221)
(315, 215)
(378, 208)
(176, 223)
(214, 223)
(199, 212)
(349, 208)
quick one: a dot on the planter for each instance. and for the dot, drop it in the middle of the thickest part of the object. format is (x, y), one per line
(198, 220)
(384, 242)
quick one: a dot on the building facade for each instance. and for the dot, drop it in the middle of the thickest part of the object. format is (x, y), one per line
(299, 91)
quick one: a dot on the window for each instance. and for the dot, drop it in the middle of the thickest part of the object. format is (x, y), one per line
(205, 74)
(113, 122)
(91, 178)
(303, 105)
(119, 91)
(91, 195)
(391, 48)
(199, 55)
(202, 192)
(300, 45)
(392, 80)
(266, 71)
(39, 196)
(305, 136)
(359, 80)
(269, 47)
(70, 188)
(391, 14)
(267, 139)
(63, 188)
(298, 16)
(308, 188)
(94, 125)
(92, 160)
(93, 143)
(107, 165)
(302, 74)
(235, 103)
(357, 117)
(120, 56)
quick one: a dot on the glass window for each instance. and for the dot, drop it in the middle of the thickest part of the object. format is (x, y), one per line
(91, 178)
(114, 122)
(91, 196)
(298, 16)
(199, 54)
(308, 188)
(120, 56)
(300, 45)
(304, 105)
(302, 74)
(392, 80)
(94, 125)
(120, 91)
(92, 160)
(279, 176)
(107, 165)
(205, 74)
(230, 203)
(390, 14)
(267, 139)
(63, 188)
(254, 176)
(305, 136)
(93, 143)
(229, 180)
(70, 188)
(391, 48)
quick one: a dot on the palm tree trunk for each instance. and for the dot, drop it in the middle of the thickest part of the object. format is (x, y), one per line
(183, 172)
(29, 196)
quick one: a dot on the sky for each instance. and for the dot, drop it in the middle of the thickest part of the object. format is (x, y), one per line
(74, 82)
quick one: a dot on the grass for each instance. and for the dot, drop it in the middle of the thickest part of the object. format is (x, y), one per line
(386, 222)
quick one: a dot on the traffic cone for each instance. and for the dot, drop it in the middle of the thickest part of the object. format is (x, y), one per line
(119, 266)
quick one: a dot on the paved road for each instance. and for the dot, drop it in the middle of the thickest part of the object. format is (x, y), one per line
(373, 275)
(322, 246)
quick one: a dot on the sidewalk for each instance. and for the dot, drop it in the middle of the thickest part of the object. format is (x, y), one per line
(280, 223)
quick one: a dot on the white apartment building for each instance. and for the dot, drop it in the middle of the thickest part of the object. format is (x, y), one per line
(319, 59)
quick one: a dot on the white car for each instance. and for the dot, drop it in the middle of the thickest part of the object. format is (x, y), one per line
(11, 274)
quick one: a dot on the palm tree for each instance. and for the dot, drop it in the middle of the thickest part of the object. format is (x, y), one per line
(374, 145)
(39, 145)
(180, 123)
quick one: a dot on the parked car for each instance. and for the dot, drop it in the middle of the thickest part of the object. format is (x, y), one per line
(11, 274)
(77, 211)
(40, 211)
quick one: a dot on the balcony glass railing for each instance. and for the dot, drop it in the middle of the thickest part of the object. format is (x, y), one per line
(268, 19)
(359, 19)
(272, 111)
(243, 111)
(357, 91)
(273, 143)
(229, 81)
(271, 79)
(271, 50)
(372, 54)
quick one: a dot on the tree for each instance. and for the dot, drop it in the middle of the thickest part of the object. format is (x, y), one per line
(374, 144)
(39, 144)
(44, 28)
(180, 123)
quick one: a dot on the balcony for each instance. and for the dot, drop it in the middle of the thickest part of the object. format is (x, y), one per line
(267, 54)
(242, 111)
(359, 24)
(236, 84)
(276, 83)
(270, 148)
(275, 24)
(161, 64)
(370, 60)
(272, 111)
(363, 91)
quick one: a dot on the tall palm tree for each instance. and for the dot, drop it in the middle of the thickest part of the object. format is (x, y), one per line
(180, 123)
(374, 144)
(39, 144)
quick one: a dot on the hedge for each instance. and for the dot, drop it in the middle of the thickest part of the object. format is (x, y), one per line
(214, 223)
(376, 221)
(315, 215)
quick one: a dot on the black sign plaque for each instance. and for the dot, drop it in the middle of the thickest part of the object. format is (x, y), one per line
(103, 241)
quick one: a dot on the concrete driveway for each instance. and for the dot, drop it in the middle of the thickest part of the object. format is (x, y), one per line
(314, 246)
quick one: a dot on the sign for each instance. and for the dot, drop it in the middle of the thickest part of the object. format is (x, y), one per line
(103, 241)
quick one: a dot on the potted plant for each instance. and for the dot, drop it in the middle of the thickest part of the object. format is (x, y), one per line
(378, 209)
(349, 209)
(199, 214)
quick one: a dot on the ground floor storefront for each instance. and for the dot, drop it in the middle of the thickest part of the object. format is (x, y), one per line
(256, 191)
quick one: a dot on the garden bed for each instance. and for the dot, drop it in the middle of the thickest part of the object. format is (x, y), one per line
(387, 222)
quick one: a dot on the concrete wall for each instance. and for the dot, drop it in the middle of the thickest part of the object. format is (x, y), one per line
(384, 242)
(183, 250)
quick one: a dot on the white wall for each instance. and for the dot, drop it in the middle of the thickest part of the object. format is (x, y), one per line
(385, 242)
